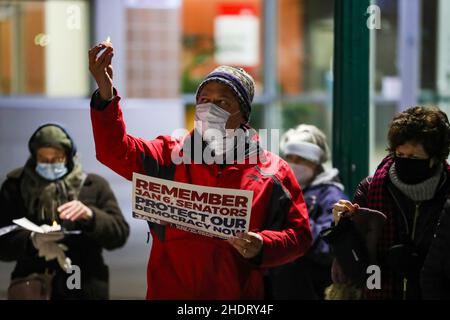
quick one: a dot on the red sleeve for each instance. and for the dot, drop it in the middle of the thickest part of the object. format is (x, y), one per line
(295, 238)
(121, 152)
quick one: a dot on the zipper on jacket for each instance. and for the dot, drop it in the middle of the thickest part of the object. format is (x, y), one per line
(416, 216)
(413, 235)
(405, 281)
(405, 287)
(400, 209)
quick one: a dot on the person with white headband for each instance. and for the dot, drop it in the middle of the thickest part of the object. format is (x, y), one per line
(306, 150)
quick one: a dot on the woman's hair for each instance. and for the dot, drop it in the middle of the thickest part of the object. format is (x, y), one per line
(306, 133)
(428, 126)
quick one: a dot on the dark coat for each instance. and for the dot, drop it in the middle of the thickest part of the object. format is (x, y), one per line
(435, 279)
(403, 212)
(108, 229)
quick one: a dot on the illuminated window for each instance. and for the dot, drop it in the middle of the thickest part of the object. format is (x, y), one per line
(43, 48)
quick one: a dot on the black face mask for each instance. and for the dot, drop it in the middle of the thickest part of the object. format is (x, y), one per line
(412, 171)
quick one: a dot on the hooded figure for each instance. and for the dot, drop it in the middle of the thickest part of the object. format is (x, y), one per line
(306, 150)
(52, 189)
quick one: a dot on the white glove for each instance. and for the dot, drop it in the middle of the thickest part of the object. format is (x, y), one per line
(47, 246)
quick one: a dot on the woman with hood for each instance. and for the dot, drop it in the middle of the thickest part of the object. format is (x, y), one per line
(306, 150)
(51, 190)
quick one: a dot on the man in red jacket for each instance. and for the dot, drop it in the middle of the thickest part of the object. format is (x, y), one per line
(184, 265)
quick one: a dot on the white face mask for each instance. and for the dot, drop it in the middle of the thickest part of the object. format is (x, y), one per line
(208, 117)
(210, 122)
(303, 174)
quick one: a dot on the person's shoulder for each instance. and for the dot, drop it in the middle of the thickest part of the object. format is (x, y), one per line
(273, 163)
(362, 191)
(12, 181)
(278, 169)
(365, 183)
(330, 192)
(15, 174)
(325, 188)
(273, 166)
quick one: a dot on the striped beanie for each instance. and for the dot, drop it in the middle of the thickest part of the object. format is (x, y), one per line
(239, 81)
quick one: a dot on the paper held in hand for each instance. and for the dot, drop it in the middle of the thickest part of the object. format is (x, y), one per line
(210, 211)
(55, 227)
(28, 225)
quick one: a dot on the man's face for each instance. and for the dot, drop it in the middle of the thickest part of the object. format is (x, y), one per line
(222, 96)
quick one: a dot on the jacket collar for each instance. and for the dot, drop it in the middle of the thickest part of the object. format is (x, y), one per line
(253, 152)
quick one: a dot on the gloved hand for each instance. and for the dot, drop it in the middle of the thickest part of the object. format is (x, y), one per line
(47, 246)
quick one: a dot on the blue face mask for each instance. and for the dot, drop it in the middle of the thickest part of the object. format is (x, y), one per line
(51, 171)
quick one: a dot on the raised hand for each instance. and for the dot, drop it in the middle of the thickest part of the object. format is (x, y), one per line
(101, 68)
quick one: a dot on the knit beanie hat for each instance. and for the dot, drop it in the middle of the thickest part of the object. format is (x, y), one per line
(51, 135)
(306, 141)
(240, 82)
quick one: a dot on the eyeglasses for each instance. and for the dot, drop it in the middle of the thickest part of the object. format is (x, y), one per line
(52, 161)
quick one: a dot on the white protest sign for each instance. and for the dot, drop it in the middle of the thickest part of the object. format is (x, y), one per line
(210, 211)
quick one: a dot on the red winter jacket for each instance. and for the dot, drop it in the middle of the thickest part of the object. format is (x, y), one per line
(183, 265)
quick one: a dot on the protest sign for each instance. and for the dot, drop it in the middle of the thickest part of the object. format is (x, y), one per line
(211, 211)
